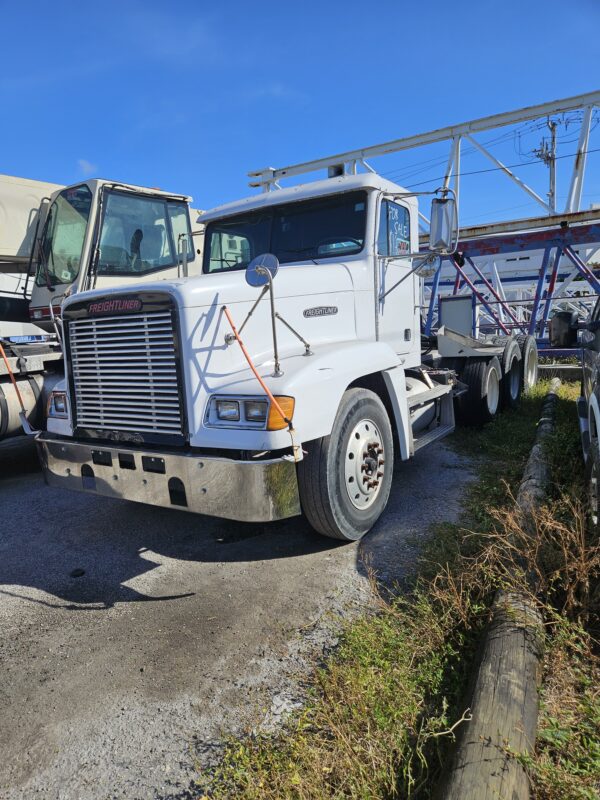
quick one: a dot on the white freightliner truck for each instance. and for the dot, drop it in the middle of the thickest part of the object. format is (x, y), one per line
(255, 393)
(56, 241)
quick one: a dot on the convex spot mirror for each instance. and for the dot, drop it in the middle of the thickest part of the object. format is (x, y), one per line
(443, 225)
(260, 268)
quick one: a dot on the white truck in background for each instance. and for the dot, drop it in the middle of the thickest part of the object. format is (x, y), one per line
(288, 378)
(23, 207)
(56, 241)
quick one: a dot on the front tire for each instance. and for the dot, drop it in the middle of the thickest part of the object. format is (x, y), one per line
(345, 478)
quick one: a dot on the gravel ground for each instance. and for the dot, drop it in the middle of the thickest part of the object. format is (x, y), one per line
(132, 638)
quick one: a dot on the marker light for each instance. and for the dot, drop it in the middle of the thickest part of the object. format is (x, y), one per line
(275, 422)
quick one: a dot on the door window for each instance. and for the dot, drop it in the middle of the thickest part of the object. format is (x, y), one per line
(394, 229)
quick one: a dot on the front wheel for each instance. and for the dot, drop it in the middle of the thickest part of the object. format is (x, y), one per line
(345, 478)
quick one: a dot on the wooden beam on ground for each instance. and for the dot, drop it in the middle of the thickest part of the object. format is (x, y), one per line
(504, 702)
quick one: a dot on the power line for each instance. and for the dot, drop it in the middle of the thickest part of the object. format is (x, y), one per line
(499, 169)
(407, 170)
(410, 170)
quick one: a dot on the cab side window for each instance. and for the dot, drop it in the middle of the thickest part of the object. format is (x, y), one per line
(393, 238)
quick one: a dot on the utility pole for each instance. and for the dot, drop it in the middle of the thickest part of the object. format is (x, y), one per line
(547, 154)
(552, 193)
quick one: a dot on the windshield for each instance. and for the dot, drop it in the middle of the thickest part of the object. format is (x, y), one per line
(329, 227)
(141, 234)
(64, 233)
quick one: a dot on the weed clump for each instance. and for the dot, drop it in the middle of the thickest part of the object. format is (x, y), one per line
(383, 711)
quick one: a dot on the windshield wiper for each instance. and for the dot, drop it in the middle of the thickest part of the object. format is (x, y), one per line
(44, 263)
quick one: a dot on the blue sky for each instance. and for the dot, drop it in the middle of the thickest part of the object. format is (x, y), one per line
(190, 96)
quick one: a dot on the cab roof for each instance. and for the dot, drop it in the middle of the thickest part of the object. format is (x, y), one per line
(369, 181)
(130, 187)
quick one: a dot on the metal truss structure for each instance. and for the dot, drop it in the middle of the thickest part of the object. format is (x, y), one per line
(516, 272)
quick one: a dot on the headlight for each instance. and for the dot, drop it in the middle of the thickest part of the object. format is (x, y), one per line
(255, 410)
(228, 410)
(248, 412)
(57, 405)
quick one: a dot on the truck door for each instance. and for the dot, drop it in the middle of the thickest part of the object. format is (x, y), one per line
(398, 317)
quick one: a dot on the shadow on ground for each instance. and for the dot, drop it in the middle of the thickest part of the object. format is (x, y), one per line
(84, 549)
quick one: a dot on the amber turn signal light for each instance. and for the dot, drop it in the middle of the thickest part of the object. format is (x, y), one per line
(275, 422)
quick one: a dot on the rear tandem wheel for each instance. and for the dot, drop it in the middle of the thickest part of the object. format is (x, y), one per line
(511, 385)
(481, 402)
(529, 360)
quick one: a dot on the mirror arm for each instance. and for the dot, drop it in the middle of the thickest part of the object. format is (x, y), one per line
(182, 250)
(307, 350)
(229, 337)
(264, 271)
(426, 259)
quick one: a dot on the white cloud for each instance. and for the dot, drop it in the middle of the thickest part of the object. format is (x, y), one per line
(86, 168)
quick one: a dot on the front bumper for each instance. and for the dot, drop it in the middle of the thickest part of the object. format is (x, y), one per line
(249, 491)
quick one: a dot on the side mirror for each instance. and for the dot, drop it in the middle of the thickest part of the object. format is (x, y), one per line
(182, 244)
(262, 269)
(443, 225)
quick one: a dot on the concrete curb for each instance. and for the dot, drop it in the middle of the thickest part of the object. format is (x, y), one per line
(504, 702)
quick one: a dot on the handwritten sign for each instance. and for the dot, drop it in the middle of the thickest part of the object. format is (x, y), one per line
(398, 229)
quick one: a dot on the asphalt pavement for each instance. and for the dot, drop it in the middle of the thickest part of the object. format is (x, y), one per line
(134, 638)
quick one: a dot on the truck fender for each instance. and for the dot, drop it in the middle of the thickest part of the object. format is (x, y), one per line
(320, 385)
(395, 382)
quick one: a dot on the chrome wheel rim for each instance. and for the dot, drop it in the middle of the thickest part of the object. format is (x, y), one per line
(492, 392)
(531, 369)
(364, 466)
(515, 379)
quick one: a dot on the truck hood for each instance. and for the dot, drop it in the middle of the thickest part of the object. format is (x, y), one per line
(320, 304)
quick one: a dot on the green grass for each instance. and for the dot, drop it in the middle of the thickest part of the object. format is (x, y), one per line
(380, 715)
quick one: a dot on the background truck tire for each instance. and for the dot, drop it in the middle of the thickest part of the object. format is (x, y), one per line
(592, 476)
(345, 478)
(529, 361)
(482, 401)
(511, 386)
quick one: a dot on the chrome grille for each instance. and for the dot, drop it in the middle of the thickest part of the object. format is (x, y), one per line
(125, 373)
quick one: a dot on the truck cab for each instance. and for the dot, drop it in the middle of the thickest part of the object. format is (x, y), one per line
(285, 379)
(101, 233)
(56, 241)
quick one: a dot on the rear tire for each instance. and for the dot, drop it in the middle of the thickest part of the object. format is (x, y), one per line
(529, 361)
(592, 475)
(482, 401)
(512, 380)
(345, 478)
